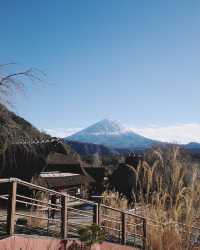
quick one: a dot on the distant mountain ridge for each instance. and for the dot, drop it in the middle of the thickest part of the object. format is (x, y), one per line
(84, 148)
(193, 147)
(113, 135)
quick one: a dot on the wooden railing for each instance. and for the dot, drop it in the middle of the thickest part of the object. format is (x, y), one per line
(25, 208)
(122, 227)
(188, 235)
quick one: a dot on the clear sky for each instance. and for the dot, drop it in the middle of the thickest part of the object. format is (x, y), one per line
(133, 61)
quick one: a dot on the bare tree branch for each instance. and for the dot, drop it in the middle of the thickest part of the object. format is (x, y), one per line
(17, 80)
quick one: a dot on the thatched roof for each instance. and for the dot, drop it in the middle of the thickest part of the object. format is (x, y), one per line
(66, 180)
(61, 159)
(67, 163)
(19, 159)
(27, 160)
(98, 173)
(124, 179)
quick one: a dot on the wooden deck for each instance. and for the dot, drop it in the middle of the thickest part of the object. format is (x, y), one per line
(43, 243)
(29, 212)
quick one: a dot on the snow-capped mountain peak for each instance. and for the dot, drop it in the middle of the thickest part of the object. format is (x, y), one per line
(104, 127)
(112, 134)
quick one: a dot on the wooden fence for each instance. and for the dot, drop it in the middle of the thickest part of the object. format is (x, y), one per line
(26, 208)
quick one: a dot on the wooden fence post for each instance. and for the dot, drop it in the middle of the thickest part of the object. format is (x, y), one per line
(99, 213)
(64, 219)
(96, 211)
(123, 220)
(144, 234)
(11, 208)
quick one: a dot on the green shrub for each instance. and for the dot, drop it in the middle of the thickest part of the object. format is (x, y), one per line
(91, 235)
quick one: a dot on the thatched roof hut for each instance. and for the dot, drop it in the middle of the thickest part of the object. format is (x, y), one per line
(67, 164)
(23, 148)
(25, 161)
(124, 179)
(25, 152)
(99, 174)
(60, 162)
(57, 180)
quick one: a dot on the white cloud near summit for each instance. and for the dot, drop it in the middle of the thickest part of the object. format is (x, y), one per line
(181, 133)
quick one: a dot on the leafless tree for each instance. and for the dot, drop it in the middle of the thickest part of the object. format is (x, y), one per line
(13, 80)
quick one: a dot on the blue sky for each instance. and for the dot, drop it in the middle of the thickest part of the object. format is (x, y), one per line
(133, 61)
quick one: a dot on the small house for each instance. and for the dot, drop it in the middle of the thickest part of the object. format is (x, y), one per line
(66, 173)
(73, 184)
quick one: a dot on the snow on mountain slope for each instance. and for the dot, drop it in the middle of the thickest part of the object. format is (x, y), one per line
(112, 134)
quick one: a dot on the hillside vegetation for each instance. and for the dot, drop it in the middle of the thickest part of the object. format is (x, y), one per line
(14, 128)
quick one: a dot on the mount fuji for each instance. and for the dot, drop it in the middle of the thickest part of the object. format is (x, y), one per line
(113, 135)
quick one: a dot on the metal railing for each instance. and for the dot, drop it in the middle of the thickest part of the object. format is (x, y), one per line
(27, 208)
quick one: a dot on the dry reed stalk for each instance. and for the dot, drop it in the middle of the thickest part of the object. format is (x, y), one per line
(40, 221)
(168, 188)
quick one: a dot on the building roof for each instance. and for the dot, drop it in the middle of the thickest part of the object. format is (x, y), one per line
(97, 173)
(56, 174)
(61, 159)
(67, 164)
(65, 180)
